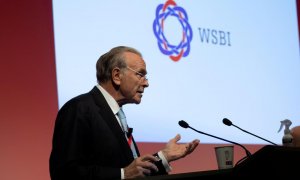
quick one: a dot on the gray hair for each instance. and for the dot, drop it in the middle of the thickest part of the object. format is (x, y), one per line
(111, 59)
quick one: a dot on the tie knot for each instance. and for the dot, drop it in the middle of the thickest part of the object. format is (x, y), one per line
(121, 114)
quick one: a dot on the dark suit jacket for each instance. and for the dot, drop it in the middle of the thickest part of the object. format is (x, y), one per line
(88, 142)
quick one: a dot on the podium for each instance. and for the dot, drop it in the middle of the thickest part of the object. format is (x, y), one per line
(270, 161)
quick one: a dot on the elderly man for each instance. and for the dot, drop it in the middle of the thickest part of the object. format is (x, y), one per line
(91, 139)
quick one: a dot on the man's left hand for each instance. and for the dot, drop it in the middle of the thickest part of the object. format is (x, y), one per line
(174, 150)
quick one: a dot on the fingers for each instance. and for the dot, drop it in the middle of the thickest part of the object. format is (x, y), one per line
(147, 162)
(190, 147)
(141, 167)
(142, 172)
(195, 143)
(176, 138)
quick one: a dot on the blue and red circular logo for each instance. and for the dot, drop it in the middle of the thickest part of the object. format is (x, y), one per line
(182, 49)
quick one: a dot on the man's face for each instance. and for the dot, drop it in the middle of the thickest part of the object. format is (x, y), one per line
(133, 81)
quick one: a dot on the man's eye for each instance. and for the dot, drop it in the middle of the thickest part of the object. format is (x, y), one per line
(140, 75)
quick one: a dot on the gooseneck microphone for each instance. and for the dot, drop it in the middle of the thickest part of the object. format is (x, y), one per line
(229, 123)
(184, 124)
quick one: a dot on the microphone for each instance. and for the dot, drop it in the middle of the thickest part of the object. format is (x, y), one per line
(129, 133)
(184, 124)
(229, 123)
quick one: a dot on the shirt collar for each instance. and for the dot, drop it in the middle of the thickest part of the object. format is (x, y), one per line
(114, 106)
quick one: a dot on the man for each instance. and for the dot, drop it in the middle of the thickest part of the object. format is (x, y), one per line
(90, 141)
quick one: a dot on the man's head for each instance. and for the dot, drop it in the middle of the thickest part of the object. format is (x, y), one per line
(122, 72)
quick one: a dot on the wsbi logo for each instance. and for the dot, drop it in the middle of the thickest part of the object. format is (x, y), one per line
(213, 36)
(183, 47)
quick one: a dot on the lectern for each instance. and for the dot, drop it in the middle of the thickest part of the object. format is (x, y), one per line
(270, 161)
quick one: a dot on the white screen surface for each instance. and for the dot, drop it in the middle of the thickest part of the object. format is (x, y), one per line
(245, 68)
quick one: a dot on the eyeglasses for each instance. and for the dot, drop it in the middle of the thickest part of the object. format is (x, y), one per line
(139, 75)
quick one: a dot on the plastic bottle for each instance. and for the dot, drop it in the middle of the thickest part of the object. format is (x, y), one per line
(287, 139)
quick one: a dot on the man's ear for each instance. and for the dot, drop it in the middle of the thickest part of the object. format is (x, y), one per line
(116, 75)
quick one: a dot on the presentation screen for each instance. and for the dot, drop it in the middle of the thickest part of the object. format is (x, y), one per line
(206, 60)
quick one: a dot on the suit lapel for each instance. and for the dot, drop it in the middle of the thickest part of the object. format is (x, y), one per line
(111, 121)
(136, 148)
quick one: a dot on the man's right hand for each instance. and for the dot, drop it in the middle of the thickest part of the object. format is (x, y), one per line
(141, 167)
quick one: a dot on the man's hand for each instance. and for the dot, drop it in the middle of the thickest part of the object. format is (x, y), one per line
(174, 151)
(141, 167)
